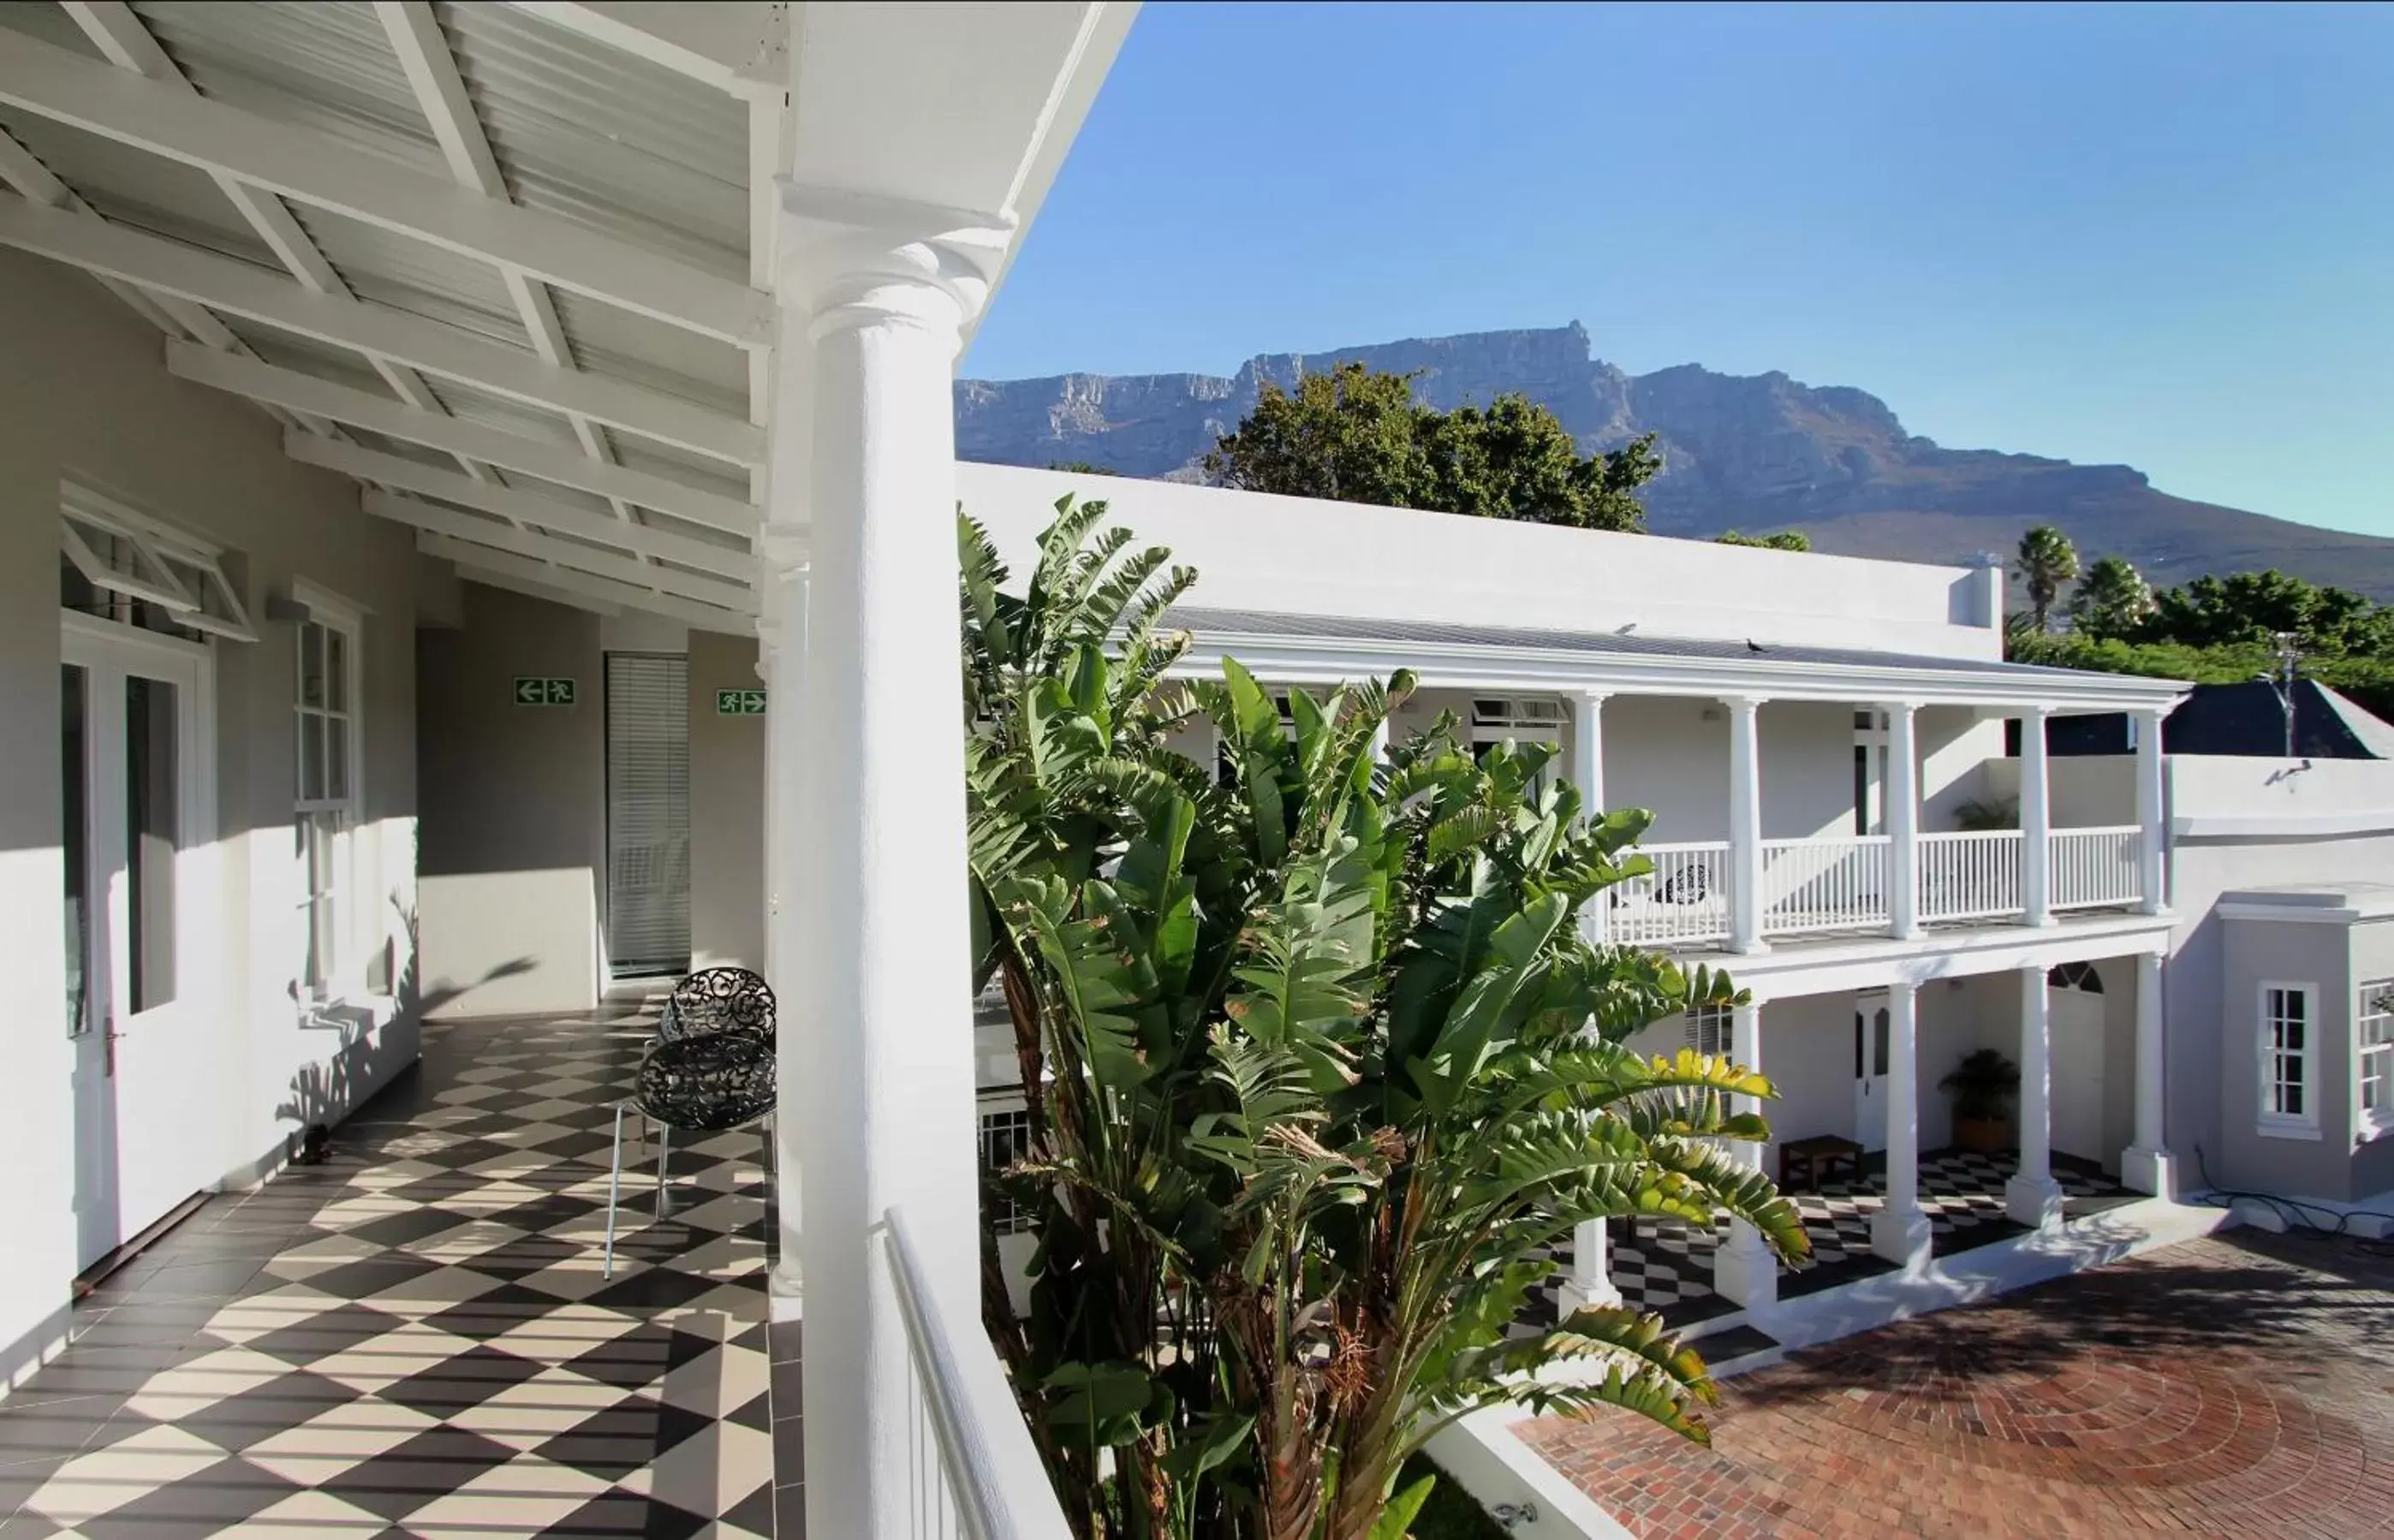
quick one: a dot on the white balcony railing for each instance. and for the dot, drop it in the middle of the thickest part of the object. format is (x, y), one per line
(1825, 885)
(1973, 874)
(977, 1474)
(1685, 899)
(2097, 868)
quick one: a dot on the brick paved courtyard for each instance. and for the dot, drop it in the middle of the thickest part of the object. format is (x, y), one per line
(2242, 1385)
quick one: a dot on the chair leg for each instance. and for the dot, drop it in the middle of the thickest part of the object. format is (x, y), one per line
(664, 1148)
(615, 1183)
(772, 1182)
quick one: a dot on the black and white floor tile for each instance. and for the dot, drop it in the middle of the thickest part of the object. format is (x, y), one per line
(417, 1338)
(1666, 1266)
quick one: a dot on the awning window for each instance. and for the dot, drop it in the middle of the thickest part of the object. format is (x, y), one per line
(120, 551)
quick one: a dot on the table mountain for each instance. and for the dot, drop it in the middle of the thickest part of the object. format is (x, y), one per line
(1756, 453)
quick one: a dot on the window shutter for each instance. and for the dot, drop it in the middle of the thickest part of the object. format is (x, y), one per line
(648, 813)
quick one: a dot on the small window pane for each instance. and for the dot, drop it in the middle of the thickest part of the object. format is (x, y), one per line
(337, 758)
(152, 816)
(312, 757)
(75, 846)
(312, 663)
(337, 670)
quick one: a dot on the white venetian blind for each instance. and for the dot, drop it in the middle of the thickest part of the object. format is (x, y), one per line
(648, 813)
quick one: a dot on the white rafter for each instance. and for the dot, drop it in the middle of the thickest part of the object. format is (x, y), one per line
(536, 546)
(315, 169)
(735, 48)
(227, 283)
(120, 35)
(514, 503)
(471, 557)
(545, 458)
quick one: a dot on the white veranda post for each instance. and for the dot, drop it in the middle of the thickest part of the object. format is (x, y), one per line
(2032, 1196)
(1745, 1269)
(781, 656)
(882, 1000)
(2152, 828)
(1899, 1231)
(2036, 820)
(2148, 1165)
(1903, 822)
(1745, 823)
(1590, 1281)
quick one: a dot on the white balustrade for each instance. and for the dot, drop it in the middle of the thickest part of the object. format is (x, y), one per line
(1685, 899)
(1970, 875)
(973, 1472)
(2097, 868)
(1825, 885)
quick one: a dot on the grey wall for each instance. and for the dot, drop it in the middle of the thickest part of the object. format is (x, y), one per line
(2279, 952)
(727, 808)
(84, 395)
(514, 844)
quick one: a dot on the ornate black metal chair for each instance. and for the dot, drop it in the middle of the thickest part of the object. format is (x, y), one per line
(706, 1083)
(718, 999)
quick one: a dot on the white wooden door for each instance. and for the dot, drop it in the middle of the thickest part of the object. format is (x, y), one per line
(2077, 1035)
(1871, 1024)
(135, 742)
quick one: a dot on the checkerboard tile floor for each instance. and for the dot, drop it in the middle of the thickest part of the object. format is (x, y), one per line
(415, 1338)
(1666, 1266)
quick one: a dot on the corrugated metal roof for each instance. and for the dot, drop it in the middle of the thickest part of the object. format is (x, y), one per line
(307, 356)
(469, 404)
(415, 276)
(606, 139)
(50, 23)
(608, 339)
(326, 66)
(690, 468)
(1258, 623)
(137, 188)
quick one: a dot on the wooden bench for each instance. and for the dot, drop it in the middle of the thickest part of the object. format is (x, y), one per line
(1818, 1156)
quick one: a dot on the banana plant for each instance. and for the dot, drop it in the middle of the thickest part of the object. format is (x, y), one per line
(1322, 1062)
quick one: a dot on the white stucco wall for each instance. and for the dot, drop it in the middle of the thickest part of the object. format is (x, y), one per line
(1260, 552)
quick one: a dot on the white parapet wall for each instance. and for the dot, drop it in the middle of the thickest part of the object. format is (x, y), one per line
(1296, 556)
(1512, 1482)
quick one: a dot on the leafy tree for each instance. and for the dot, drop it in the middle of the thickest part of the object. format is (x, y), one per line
(2047, 561)
(1358, 436)
(2113, 600)
(1081, 467)
(1785, 540)
(1318, 1064)
(2253, 607)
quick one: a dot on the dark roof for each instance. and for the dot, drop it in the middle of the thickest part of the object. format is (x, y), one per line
(2244, 719)
(1259, 622)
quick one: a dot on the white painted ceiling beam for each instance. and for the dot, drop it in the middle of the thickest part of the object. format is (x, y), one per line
(737, 47)
(542, 548)
(548, 460)
(473, 558)
(391, 470)
(227, 283)
(548, 591)
(218, 138)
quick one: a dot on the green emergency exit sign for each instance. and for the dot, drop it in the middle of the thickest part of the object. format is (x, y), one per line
(536, 690)
(740, 703)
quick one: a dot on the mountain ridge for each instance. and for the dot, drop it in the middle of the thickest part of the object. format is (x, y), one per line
(1752, 451)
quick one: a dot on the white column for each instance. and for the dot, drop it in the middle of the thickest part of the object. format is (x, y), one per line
(1745, 1269)
(2032, 1197)
(2036, 821)
(1903, 822)
(1900, 1229)
(1590, 1280)
(1745, 823)
(2154, 844)
(2148, 1165)
(883, 1004)
(781, 637)
(1587, 774)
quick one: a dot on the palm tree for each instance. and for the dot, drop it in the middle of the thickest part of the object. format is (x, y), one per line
(2047, 561)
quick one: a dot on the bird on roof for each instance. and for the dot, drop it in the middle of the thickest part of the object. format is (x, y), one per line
(1627, 629)
(1753, 646)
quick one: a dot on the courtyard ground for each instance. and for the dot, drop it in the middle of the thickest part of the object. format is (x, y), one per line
(2240, 1385)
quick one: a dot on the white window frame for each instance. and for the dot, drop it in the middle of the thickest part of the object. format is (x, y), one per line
(2368, 1122)
(1715, 1024)
(1013, 1113)
(2273, 1123)
(345, 977)
(179, 571)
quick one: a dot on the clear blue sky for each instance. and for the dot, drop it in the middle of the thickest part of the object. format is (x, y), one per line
(2158, 235)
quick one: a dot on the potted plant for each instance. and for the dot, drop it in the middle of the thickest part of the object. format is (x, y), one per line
(1982, 1086)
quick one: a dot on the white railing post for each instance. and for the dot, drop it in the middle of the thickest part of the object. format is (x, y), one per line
(2152, 825)
(882, 1004)
(2032, 1196)
(2148, 1165)
(1588, 773)
(1899, 1231)
(1902, 823)
(1745, 823)
(782, 635)
(1744, 1267)
(2036, 821)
